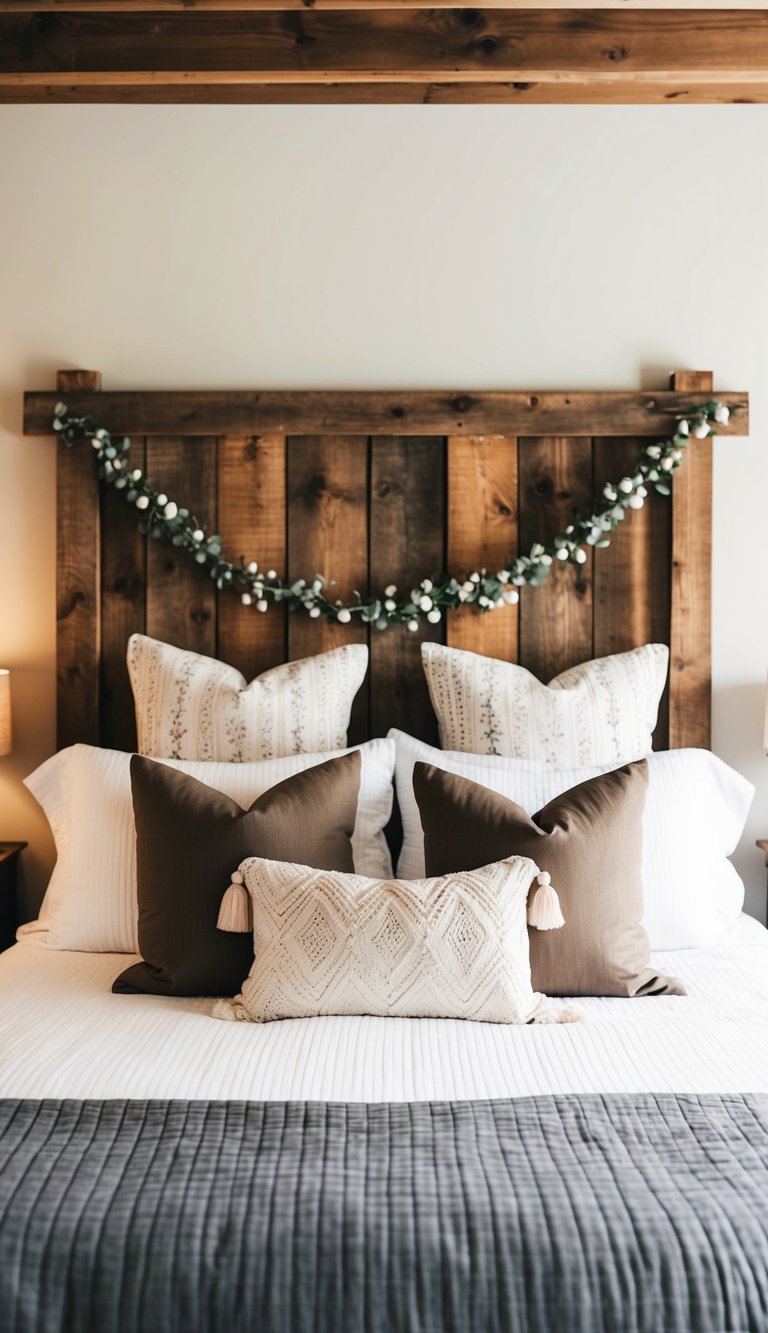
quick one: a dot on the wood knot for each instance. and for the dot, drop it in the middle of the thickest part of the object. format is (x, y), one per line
(398, 412)
(617, 54)
(199, 615)
(545, 486)
(533, 400)
(462, 404)
(488, 46)
(504, 510)
(471, 17)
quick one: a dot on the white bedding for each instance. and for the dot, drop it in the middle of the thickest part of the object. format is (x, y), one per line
(63, 1034)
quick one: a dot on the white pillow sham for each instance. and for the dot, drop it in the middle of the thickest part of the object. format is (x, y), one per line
(194, 707)
(91, 901)
(600, 712)
(326, 942)
(695, 813)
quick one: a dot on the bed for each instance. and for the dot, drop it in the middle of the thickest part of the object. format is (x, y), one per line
(161, 1171)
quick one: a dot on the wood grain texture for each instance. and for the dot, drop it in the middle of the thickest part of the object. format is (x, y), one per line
(363, 413)
(313, 46)
(328, 534)
(154, 89)
(555, 480)
(252, 523)
(407, 540)
(123, 609)
(245, 6)
(374, 510)
(631, 599)
(690, 647)
(482, 518)
(181, 600)
(78, 573)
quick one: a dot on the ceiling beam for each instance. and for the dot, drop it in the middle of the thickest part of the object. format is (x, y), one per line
(386, 55)
(241, 6)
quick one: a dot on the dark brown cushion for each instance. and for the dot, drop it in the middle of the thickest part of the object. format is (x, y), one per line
(590, 841)
(189, 839)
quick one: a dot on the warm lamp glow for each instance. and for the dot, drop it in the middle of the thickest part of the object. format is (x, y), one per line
(5, 712)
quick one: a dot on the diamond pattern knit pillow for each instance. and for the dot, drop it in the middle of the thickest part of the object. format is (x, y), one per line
(327, 942)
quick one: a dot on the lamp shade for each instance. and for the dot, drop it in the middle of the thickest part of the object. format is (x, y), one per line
(5, 711)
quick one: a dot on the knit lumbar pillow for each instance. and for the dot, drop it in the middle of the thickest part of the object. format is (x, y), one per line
(332, 943)
(193, 707)
(600, 712)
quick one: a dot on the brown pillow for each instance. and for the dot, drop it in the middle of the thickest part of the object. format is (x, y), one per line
(189, 839)
(590, 841)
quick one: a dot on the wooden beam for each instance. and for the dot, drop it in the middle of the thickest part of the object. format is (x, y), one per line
(630, 93)
(249, 6)
(565, 54)
(228, 412)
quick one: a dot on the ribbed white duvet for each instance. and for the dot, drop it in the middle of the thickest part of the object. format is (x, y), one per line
(63, 1034)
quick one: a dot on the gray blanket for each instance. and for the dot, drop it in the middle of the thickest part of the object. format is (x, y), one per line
(544, 1215)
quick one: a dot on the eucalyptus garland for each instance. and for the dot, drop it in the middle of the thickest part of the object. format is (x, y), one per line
(484, 590)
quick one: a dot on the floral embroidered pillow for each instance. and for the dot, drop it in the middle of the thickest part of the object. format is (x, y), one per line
(600, 712)
(193, 707)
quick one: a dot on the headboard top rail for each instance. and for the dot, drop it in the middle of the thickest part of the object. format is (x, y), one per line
(379, 412)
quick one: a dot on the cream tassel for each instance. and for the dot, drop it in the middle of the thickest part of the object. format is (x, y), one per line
(235, 910)
(544, 906)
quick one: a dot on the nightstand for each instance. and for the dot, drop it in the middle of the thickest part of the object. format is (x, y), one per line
(9, 872)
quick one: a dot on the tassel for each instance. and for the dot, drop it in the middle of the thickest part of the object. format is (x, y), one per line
(544, 907)
(235, 911)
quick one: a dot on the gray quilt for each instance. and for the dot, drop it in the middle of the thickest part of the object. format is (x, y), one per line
(544, 1215)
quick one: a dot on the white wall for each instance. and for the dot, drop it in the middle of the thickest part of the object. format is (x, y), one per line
(383, 247)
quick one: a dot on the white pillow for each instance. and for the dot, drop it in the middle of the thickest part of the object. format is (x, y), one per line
(325, 942)
(91, 901)
(601, 712)
(194, 707)
(695, 813)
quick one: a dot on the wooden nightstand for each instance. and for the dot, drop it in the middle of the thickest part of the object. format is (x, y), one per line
(9, 871)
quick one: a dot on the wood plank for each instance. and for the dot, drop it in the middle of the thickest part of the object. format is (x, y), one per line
(123, 608)
(503, 45)
(690, 646)
(407, 542)
(417, 413)
(631, 603)
(252, 523)
(327, 492)
(154, 89)
(78, 611)
(181, 598)
(555, 481)
(482, 529)
(232, 6)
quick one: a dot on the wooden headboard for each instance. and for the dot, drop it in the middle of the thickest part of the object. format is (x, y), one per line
(377, 488)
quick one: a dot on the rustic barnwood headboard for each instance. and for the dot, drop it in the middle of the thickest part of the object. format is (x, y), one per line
(376, 488)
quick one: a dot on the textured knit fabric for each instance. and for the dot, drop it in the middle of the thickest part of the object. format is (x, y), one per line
(450, 947)
(600, 712)
(194, 707)
(617, 1214)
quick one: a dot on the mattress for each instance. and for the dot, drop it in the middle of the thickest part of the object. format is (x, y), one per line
(63, 1034)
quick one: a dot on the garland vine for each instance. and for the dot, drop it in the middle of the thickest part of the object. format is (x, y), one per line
(484, 590)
